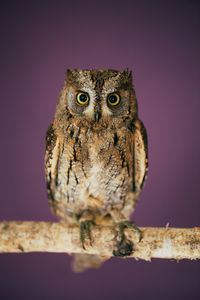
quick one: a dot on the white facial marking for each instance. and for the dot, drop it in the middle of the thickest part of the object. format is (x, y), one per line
(106, 112)
(89, 111)
(70, 95)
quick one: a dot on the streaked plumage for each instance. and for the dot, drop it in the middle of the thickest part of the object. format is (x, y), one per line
(96, 153)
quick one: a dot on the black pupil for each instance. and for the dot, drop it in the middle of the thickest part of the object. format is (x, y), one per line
(83, 98)
(113, 99)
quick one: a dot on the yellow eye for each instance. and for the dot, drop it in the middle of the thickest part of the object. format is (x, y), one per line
(113, 99)
(82, 98)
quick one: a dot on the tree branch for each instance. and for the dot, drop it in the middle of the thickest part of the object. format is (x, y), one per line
(176, 243)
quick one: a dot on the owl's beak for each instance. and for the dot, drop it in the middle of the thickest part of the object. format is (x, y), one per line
(97, 116)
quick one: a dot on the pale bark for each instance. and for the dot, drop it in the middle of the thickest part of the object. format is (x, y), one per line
(171, 243)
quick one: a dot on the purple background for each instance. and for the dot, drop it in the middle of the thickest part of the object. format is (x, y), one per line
(159, 41)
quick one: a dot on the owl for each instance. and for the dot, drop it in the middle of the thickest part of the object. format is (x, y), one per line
(96, 154)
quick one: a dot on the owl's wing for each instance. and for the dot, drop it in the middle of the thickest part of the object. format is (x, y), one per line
(140, 156)
(51, 164)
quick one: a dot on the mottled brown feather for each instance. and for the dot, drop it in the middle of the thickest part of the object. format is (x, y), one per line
(96, 167)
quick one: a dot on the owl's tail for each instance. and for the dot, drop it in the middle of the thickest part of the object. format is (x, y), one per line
(81, 262)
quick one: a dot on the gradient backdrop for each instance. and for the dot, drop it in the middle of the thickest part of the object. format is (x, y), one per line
(160, 42)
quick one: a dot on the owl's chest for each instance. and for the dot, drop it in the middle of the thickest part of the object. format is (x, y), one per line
(95, 169)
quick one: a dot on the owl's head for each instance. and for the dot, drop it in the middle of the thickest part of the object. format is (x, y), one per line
(98, 95)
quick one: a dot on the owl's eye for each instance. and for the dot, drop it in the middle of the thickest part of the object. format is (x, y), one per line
(82, 98)
(113, 99)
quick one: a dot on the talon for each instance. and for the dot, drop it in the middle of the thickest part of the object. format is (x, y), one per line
(85, 227)
(131, 225)
(125, 248)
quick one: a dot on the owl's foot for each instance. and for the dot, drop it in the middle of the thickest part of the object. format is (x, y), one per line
(85, 229)
(125, 248)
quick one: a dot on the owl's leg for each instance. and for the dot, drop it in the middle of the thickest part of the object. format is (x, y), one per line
(125, 247)
(130, 225)
(86, 221)
(85, 228)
